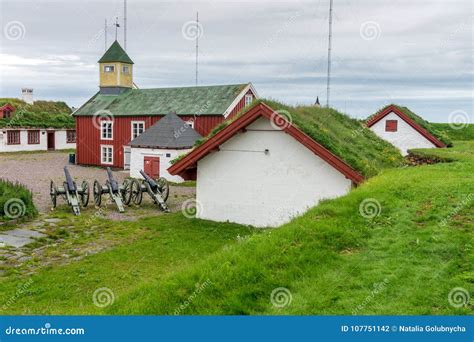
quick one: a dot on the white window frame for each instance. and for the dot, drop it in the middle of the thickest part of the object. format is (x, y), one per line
(102, 128)
(132, 128)
(109, 66)
(248, 99)
(105, 162)
(125, 67)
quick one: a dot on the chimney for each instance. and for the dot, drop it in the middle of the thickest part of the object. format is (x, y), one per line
(27, 95)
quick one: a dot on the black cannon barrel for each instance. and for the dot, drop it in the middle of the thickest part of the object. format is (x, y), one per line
(71, 186)
(149, 180)
(113, 183)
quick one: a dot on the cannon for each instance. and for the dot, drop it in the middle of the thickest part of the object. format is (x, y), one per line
(75, 196)
(117, 193)
(157, 189)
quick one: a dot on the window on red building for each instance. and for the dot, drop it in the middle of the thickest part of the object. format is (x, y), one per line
(71, 136)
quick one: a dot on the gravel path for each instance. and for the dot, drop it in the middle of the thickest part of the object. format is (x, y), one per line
(36, 170)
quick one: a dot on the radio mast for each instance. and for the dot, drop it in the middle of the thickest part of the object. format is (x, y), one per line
(329, 54)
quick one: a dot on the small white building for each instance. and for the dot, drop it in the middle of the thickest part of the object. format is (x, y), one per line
(153, 150)
(17, 139)
(260, 173)
(399, 129)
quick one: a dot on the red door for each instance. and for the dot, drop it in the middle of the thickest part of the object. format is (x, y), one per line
(51, 144)
(152, 166)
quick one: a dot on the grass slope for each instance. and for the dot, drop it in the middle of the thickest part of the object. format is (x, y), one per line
(456, 133)
(145, 251)
(333, 260)
(344, 136)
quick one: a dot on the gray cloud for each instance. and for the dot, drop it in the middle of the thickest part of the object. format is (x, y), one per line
(416, 53)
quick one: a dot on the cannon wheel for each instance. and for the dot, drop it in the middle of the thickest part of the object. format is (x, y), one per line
(84, 194)
(125, 191)
(97, 193)
(164, 187)
(53, 192)
(136, 194)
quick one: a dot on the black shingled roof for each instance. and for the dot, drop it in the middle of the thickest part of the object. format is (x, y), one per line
(169, 132)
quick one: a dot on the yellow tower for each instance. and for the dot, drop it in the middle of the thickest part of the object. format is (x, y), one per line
(116, 71)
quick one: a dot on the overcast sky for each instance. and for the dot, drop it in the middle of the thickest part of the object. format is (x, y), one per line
(413, 53)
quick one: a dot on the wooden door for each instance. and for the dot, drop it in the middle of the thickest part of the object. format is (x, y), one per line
(152, 166)
(51, 141)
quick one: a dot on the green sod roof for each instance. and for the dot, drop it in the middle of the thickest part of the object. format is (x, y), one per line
(40, 114)
(442, 136)
(346, 137)
(205, 100)
(115, 53)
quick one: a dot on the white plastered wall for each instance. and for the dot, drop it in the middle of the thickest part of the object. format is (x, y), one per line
(405, 138)
(240, 183)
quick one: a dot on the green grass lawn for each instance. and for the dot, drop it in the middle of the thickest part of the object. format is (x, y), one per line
(332, 260)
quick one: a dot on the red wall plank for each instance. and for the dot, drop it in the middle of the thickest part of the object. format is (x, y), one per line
(88, 135)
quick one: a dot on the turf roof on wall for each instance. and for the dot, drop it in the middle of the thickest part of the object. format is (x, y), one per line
(420, 121)
(344, 136)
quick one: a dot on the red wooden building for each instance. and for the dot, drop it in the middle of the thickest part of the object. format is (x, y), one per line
(120, 112)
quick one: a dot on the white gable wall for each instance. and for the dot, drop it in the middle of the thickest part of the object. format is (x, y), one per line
(406, 136)
(137, 156)
(254, 188)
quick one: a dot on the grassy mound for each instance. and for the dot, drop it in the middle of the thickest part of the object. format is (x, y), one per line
(40, 114)
(16, 201)
(38, 120)
(402, 258)
(460, 133)
(346, 137)
(51, 107)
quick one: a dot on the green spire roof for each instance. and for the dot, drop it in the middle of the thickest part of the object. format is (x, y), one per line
(115, 53)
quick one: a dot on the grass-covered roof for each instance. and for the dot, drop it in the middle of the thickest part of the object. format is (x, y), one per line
(344, 136)
(202, 100)
(40, 114)
(442, 136)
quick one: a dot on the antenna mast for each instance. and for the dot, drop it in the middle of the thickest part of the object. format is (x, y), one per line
(116, 27)
(197, 46)
(105, 34)
(329, 53)
(125, 24)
